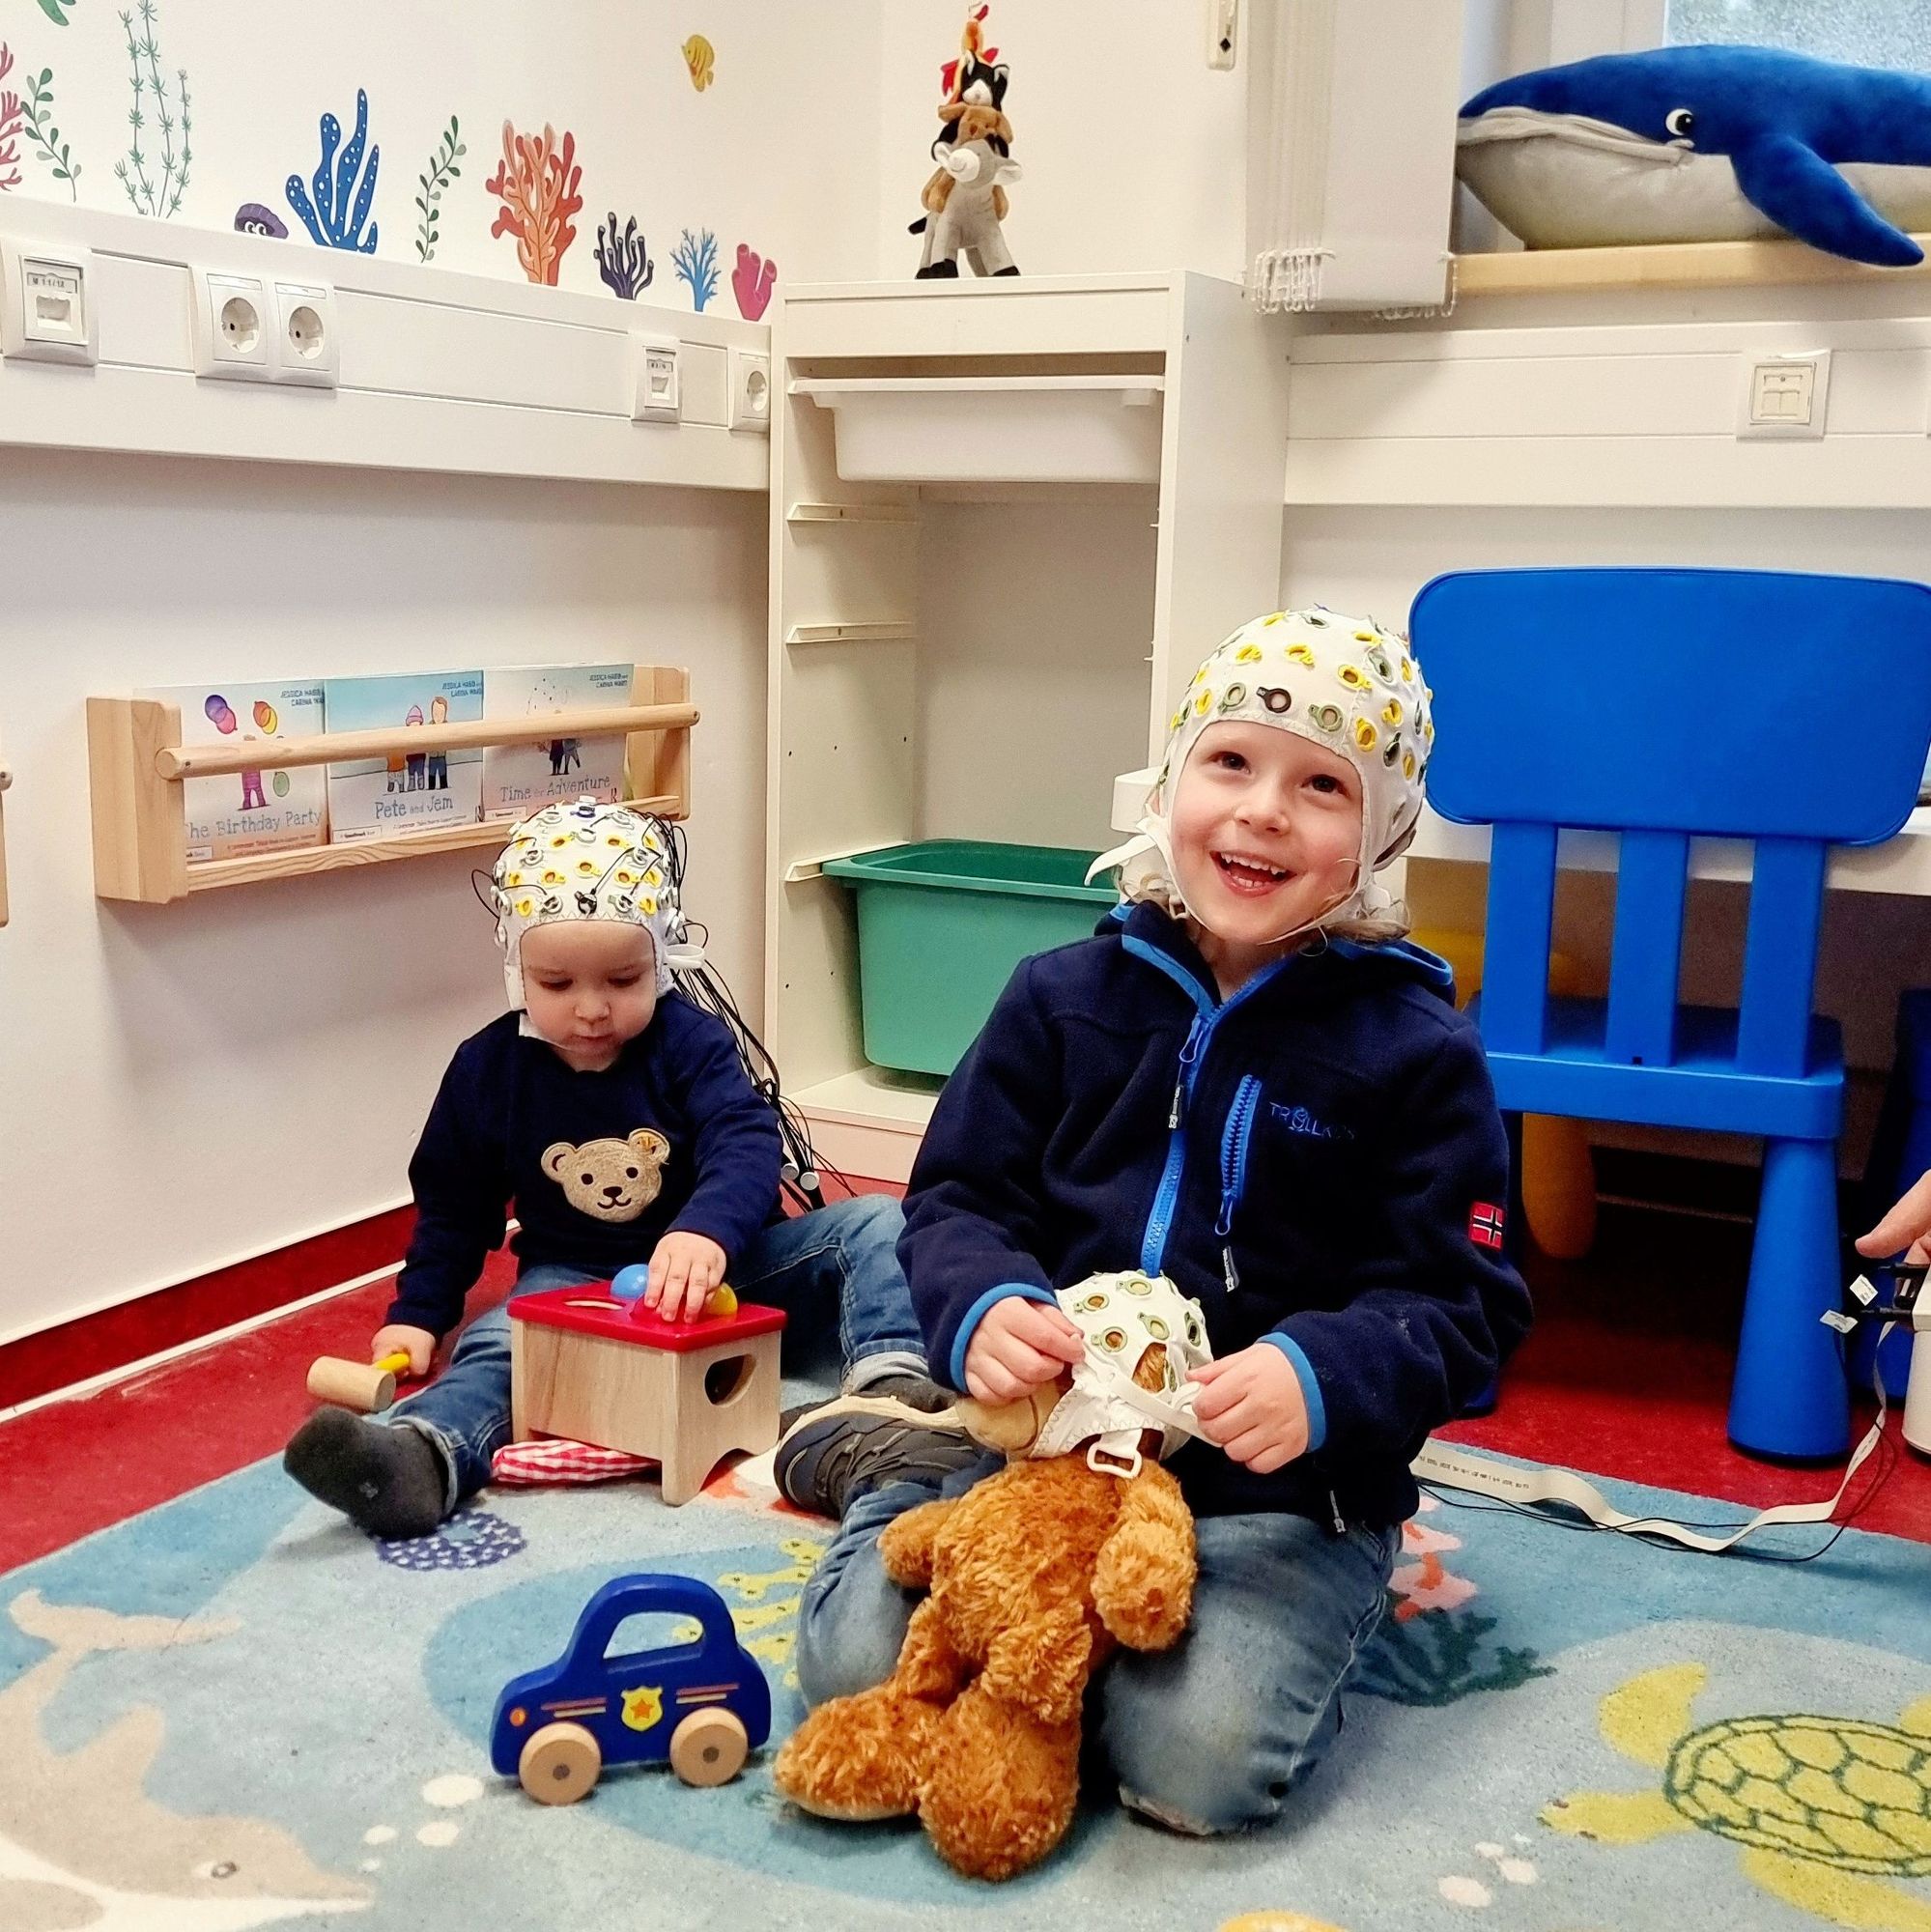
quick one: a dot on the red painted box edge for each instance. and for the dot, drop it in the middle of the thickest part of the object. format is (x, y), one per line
(556, 1308)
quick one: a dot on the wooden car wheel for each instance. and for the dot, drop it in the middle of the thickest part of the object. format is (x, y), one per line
(560, 1764)
(708, 1748)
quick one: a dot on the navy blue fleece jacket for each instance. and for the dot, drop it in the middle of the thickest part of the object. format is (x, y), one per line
(599, 1167)
(1317, 1159)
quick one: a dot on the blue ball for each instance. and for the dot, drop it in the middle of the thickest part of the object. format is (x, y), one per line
(631, 1282)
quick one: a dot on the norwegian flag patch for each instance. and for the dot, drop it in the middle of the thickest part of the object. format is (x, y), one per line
(1485, 1224)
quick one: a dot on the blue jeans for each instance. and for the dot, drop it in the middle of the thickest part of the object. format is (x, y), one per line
(1214, 1735)
(837, 1267)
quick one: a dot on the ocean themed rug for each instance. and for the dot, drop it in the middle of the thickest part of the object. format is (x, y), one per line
(235, 1711)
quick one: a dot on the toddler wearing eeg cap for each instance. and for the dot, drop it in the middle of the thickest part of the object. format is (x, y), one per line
(614, 1116)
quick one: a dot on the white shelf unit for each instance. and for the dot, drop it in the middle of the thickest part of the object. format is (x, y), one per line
(1097, 460)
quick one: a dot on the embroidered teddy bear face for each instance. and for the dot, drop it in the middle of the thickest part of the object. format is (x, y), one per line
(610, 1179)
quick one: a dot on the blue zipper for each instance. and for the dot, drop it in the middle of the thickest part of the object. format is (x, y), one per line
(1153, 1243)
(1234, 1141)
(1207, 1016)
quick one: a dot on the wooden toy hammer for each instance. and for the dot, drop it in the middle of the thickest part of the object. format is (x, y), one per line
(369, 1386)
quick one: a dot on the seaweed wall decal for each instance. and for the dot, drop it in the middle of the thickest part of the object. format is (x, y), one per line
(429, 184)
(38, 112)
(11, 122)
(536, 181)
(696, 259)
(622, 258)
(144, 61)
(330, 218)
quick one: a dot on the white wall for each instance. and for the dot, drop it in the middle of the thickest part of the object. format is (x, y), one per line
(189, 1083)
(609, 71)
(226, 1075)
(1133, 149)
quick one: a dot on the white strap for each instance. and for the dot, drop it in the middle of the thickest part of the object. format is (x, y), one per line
(1482, 1476)
(1176, 1413)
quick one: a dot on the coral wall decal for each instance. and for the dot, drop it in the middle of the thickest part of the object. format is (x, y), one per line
(536, 181)
(429, 184)
(622, 258)
(329, 218)
(752, 283)
(11, 122)
(696, 258)
(144, 64)
(38, 112)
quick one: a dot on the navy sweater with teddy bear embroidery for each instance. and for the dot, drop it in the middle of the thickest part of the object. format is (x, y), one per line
(600, 1166)
(1317, 1159)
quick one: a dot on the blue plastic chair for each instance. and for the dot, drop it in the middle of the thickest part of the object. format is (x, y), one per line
(1665, 704)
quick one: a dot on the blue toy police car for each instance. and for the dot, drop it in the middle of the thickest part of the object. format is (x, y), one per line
(703, 1706)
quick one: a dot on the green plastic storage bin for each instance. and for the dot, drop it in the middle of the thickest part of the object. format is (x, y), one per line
(942, 924)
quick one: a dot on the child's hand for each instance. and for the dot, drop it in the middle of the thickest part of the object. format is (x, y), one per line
(400, 1339)
(1909, 1223)
(1019, 1346)
(683, 1271)
(1252, 1406)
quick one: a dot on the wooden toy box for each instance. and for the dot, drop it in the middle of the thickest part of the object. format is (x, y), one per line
(685, 1394)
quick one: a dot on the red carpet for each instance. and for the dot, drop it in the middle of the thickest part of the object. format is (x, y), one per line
(1626, 1375)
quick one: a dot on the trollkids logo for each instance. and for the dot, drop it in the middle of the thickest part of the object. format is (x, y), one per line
(1298, 1121)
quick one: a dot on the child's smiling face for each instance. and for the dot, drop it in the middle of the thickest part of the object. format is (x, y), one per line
(589, 986)
(1266, 827)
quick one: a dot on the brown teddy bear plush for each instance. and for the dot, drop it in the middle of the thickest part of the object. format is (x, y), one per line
(1032, 1576)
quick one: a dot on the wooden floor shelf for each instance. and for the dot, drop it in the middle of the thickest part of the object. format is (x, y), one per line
(137, 766)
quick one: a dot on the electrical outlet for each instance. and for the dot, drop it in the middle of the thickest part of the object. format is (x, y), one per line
(751, 391)
(657, 396)
(1784, 396)
(234, 335)
(1223, 33)
(46, 305)
(307, 349)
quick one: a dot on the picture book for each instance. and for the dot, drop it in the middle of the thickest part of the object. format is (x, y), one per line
(406, 791)
(524, 777)
(260, 809)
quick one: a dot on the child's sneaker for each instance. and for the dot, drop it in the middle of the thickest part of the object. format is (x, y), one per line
(389, 1480)
(834, 1454)
(916, 1391)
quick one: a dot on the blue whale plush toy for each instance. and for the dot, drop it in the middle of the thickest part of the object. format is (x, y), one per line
(1705, 144)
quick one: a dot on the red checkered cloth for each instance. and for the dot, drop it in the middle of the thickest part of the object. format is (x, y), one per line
(557, 1460)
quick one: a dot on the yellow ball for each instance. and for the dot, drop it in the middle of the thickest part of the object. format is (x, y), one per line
(1277, 1921)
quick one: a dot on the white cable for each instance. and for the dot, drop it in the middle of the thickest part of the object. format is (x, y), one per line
(1481, 1475)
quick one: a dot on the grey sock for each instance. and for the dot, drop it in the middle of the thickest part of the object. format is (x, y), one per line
(388, 1480)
